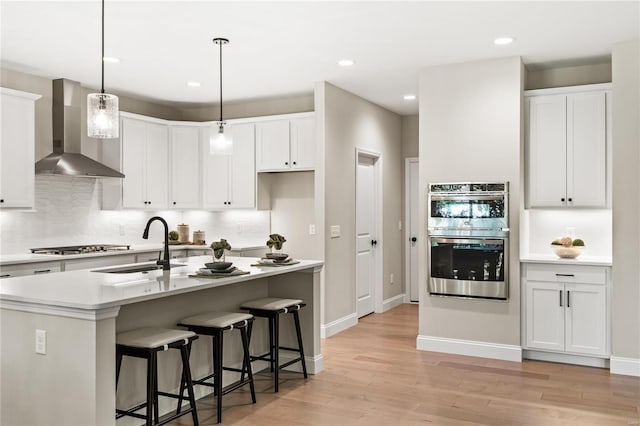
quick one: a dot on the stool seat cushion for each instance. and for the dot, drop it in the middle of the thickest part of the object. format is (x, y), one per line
(216, 319)
(270, 304)
(152, 337)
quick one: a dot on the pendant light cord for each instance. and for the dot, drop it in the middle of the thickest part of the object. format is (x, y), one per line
(221, 81)
(102, 57)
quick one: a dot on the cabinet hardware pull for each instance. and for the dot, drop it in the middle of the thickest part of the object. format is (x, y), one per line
(570, 200)
(565, 275)
(414, 239)
(560, 292)
(5, 275)
(174, 203)
(2, 200)
(568, 299)
(286, 163)
(294, 163)
(562, 199)
(42, 271)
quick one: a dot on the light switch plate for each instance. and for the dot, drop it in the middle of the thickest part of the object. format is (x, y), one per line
(312, 229)
(335, 231)
(41, 342)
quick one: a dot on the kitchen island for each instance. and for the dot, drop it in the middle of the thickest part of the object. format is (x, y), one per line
(81, 311)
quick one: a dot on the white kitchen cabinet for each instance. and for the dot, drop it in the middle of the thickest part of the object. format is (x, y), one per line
(567, 141)
(185, 163)
(144, 164)
(285, 144)
(229, 181)
(17, 145)
(566, 309)
(23, 269)
(97, 262)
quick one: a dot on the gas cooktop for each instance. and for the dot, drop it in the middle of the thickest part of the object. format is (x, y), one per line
(89, 248)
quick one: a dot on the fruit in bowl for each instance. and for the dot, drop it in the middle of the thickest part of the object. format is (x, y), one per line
(567, 248)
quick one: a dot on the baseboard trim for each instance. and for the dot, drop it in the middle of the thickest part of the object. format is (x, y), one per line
(469, 347)
(588, 361)
(392, 302)
(341, 324)
(625, 366)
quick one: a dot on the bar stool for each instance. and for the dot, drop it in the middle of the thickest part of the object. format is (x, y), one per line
(214, 324)
(271, 308)
(146, 343)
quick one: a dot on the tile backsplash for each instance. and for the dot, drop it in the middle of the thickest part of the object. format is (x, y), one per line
(67, 212)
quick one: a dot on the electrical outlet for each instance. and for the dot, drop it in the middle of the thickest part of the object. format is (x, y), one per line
(335, 231)
(391, 278)
(41, 342)
(399, 225)
(312, 229)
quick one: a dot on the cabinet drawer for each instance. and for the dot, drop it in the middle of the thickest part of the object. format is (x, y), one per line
(567, 274)
(98, 262)
(29, 269)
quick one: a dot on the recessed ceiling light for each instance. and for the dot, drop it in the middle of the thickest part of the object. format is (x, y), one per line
(193, 84)
(409, 97)
(501, 41)
(111, 59)
(345, 62)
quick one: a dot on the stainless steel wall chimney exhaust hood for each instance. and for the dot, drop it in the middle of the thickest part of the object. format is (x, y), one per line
(66, 158)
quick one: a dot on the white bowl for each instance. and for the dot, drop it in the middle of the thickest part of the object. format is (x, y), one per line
(567, 252)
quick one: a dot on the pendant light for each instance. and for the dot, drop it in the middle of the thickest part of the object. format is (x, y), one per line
(103, 118)
(220, 142)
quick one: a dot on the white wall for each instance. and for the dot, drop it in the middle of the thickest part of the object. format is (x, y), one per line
(625, 341)
(470, 130)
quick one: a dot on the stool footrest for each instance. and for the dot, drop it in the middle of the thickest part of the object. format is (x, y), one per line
(234, 386)
(288, 363)
(130, 412)
(284, 348)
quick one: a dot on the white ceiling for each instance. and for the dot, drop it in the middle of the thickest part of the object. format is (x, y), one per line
(283, 48)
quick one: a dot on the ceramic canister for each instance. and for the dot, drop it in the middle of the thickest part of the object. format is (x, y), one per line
(183, 231)
(199, 238)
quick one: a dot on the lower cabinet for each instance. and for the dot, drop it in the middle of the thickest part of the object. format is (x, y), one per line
(23, 269)
(566, 309)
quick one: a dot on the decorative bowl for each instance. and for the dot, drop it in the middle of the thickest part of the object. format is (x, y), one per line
(276, 256)
(218, 266)
(567, 252)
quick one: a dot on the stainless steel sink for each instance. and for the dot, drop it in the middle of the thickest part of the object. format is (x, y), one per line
(135, 268)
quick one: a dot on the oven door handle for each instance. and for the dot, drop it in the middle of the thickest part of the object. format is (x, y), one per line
(467, 240)
(467, 197)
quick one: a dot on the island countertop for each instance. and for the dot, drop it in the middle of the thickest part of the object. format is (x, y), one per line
(90, 290)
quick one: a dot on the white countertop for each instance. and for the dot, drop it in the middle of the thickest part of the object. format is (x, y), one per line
(95, 290)
(20, 258)
(580, 260)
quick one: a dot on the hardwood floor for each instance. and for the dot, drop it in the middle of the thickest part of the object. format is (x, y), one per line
(374, 376)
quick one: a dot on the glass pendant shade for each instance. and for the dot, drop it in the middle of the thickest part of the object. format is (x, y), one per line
(220, 142)
(103, 118)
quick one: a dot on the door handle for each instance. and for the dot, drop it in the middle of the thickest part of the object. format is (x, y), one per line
(560, 292)
(568, 299)
(414, 239)
(374, 243)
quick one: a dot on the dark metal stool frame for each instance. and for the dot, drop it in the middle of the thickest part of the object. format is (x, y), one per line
(216, 334)
(151, 404)
(273, 356)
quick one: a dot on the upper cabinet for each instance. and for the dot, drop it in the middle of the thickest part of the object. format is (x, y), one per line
(184, 157)
(229, 181)
(17, 145)
(144, 164)
(285, 144)
(567, 136)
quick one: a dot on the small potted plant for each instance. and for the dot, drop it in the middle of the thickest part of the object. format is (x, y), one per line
(218, 248)
(276, 241)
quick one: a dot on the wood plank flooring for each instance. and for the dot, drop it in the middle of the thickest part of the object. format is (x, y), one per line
(374, 376)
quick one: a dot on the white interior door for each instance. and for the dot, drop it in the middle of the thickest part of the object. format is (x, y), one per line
(412, 200)
(365, 235)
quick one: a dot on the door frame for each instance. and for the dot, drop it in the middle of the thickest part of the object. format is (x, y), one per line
(407, 231)
(378, 214)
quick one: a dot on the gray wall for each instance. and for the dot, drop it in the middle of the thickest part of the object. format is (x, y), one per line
(470, 130)
(625, 341)
(348, 122)
(410, 142)
(569, 76)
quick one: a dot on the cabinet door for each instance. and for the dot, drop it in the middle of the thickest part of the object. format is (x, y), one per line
(272, 145)
(586, 319)
(544, 315)
(17, 151)
(303, 138)
(547, 151)
(586, 149)
(134, 140)
(157, 173)
(185, 167)
(215, 176)
(242, 179)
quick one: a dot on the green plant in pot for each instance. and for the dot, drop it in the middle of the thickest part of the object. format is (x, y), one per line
(218, 248)
(276, 241)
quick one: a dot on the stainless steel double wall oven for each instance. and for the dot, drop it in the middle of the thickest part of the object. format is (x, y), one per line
(468, 230)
